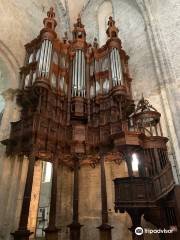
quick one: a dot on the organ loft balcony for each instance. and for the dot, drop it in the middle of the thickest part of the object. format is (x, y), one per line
(150, 178)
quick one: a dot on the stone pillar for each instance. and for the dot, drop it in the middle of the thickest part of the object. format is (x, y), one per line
(10, 202)
(104, 228)
(51, 231)
(75, 226)
(23, 233)
(33, 211)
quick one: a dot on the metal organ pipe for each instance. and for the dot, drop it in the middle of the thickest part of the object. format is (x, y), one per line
(48, 58)
(45, 58)
(73, 76)
(83, 78)
(120, 68)
(112, 66)
(79, 74)
(76, 73)
(117, 66)
(83, 74)
(41, 58)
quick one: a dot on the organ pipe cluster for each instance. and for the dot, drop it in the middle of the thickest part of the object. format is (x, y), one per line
(75, 67)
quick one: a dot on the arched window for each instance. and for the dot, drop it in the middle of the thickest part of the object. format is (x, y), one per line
(104, 11)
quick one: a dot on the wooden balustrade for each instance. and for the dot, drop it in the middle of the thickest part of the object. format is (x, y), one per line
(142, 191)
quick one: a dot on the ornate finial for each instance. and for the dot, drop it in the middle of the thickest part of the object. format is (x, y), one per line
(51, 13)
(79, 23)
(144, 105)
(79, 31)
(95, 43)
(112, 30)
(50, 22)
(111, 22)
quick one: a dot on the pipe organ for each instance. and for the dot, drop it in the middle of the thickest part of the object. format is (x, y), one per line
(78, 86)
(116, 67)
(77, 109)
(45, 59)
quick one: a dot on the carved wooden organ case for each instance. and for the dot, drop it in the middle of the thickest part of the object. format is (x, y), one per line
(74, 96)
(76, 99)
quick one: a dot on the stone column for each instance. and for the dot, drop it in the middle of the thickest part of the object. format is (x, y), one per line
(75, 226)
(51, 231)
(104, 228)
(23, 233)
(35, 196)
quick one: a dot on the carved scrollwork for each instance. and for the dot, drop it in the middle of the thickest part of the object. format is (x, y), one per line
(94, 163)
(119, 158)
